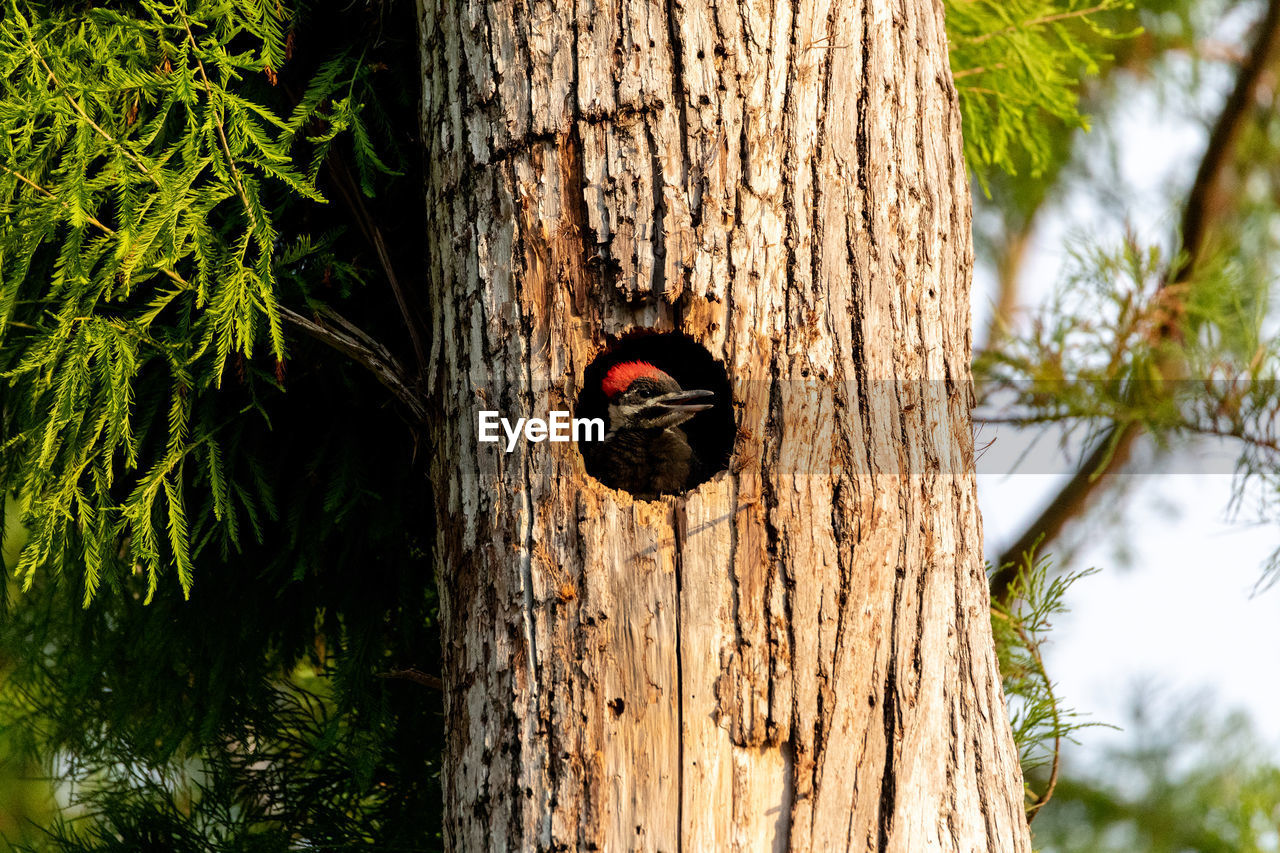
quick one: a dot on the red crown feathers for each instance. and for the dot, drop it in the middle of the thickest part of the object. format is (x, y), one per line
(621, 375)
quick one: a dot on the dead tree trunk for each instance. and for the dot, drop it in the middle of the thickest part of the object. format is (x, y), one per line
(797, 654)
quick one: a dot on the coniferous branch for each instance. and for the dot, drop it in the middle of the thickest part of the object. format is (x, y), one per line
(1114, 446)
(1269, 442)
(1032, 646)
(1041, 21)
(1029, 57)
(1040, 721)
(415, 675)
(217, 115)
(1106, 456)
(103, 204)
(105, 229)
(97, 128)
(348, 340)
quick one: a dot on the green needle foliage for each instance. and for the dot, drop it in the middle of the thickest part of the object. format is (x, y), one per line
(1018, 66)
(142, 258)
(221, 567)
(1040, 721)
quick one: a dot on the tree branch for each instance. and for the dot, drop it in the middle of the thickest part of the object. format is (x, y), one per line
(1109, 453)
(84, 116)
(353, 198)
(217, 119)
(1033, 648)
(340, 334)
(417, 676)
(1116, 445)
(1008, 277)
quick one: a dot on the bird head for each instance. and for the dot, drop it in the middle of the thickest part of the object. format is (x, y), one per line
(643, 397)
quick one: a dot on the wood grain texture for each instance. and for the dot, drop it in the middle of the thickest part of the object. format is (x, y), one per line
(797, 655)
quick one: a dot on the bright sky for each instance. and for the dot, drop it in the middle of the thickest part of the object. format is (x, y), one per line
(1174, 605)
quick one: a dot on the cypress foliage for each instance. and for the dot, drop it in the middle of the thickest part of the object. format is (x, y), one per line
(221, 556)
(151, 160)
(1017, 67)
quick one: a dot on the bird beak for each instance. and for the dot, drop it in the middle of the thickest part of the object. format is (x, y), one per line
(686, 402)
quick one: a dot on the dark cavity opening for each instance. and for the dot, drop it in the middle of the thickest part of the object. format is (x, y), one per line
(710, 433)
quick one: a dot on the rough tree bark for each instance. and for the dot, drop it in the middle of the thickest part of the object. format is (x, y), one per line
(797, 654)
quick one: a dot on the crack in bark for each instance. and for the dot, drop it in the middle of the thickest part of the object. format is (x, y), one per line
(888, 777)
(680, 531)
(526, 307)
(679, 91)
(657, 233)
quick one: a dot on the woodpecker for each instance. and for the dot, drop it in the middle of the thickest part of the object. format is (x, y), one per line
(645, 451)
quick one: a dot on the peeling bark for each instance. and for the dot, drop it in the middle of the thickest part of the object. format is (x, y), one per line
(797, 654)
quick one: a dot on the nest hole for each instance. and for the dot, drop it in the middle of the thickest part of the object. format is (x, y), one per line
(710, 433)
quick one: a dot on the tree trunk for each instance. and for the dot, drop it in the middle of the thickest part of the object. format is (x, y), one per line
(797, 654)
